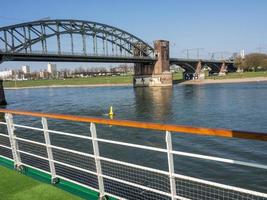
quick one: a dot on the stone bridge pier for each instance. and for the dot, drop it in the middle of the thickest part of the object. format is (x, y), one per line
(2, 94)
(223, 69)
(156, 74)
(193, 70)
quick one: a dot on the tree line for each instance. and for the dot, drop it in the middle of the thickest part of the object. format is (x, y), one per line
(252, 62)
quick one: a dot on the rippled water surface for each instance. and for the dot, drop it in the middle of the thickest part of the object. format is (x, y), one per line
(233, 106)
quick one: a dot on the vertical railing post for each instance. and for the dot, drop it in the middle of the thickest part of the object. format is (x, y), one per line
(13, 141)
(49, 151)
(97, 161)
(170, 164)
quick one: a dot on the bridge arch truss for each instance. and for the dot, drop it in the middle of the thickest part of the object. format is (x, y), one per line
(71, 37)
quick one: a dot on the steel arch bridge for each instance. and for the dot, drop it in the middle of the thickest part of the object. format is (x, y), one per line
(69, 40)
(64, 39)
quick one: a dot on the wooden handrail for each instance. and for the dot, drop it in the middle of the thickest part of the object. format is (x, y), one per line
(148, 125)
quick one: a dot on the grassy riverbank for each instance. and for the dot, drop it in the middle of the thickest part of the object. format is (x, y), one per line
(246, 77)
(239, 75)
(71, 81)
(119, 80)
(101, 80)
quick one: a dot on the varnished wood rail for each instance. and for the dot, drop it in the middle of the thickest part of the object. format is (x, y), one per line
(148, 125)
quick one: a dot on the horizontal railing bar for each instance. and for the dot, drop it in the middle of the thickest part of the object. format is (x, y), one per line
(10, 159)
(228, 187)
(53, 131)
(255, 165)
(4, 146)
(36, 168)
(29, 141)
(64, 178)
(78, 183)
(134, 165)
(72, 151)
(139, 186)
(181, 198)
(224, 160)
(148, 125)
(28, 127)
(69, 134)
(132, 145)
(33, 155)
(89, 155)
(4, 123)
(4, 135)
(149, 169)
(87, 186)
(74, 167)
(136, 185)
(58, 162)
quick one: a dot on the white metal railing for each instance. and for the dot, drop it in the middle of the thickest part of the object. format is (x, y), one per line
(119, 179)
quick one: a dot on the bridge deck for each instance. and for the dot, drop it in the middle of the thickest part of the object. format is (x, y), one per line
(74, 58)
(68, 57)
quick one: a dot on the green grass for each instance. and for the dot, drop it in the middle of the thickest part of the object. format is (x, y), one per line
(116, 80)
(71, 81)
(240, 75)
(16, 186)
(177, 76)
(78, 81)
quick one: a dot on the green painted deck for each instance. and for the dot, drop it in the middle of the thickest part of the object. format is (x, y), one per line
(16, 186)
(33, 184)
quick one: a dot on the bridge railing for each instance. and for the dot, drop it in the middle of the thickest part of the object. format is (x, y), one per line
(82, 162)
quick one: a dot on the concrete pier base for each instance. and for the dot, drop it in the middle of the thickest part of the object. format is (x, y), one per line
(223, 69)
(159, 80)
(222, 74)
(155, 74)
(201, 76)
(2, 94)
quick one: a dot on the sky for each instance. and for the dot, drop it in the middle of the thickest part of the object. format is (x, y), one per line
(216, 26)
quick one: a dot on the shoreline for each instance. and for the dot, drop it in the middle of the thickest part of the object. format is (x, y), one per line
(69, 86)
(191, 82)
(221, 81)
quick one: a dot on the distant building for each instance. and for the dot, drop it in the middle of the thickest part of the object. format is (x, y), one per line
(43, 74)
(25, 69)
(6, 74)
(242, 54)
(51, 68)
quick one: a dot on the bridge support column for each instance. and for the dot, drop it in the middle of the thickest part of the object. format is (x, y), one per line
(158, 73)
(223, 69)
(197, 74)
(2, 94)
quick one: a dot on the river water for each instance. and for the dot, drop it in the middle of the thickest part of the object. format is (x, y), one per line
(241, 106)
